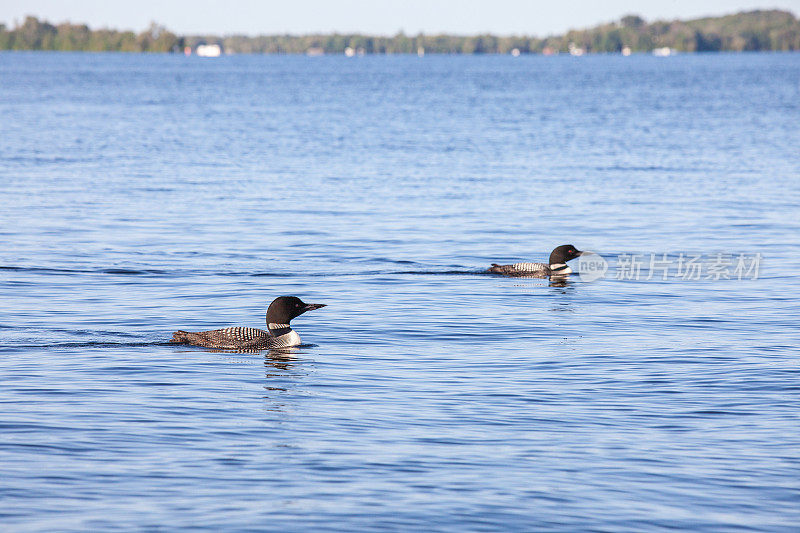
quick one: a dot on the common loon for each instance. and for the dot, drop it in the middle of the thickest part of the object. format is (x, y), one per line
(557, 265)
(279, 333)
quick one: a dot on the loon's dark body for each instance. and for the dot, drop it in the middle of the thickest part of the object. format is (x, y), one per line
(236, 338)
(279, 333)
(533, 270)
(557, 265)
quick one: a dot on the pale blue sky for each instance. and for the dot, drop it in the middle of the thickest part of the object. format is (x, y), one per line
(376, 17)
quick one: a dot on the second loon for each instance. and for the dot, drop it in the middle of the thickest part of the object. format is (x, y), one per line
(279, 333)
(557, 265)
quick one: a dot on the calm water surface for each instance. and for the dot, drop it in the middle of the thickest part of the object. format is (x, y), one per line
(146, 193)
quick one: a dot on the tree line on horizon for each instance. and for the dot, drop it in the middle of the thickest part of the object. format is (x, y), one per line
(761, 30)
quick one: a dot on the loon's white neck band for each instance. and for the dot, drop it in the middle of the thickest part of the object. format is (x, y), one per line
(272, 325)
(560, 268)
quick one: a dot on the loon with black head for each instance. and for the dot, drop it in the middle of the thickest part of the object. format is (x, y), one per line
(279, 333)
(557, 266)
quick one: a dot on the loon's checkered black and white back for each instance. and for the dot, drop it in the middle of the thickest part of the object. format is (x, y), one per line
(278, 335)
(233, 338)
(534, 270)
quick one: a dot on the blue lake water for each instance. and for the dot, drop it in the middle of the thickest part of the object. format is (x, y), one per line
(148, 193)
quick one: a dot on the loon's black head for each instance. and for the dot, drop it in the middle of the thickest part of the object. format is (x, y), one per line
(285, 308)
(564, 253)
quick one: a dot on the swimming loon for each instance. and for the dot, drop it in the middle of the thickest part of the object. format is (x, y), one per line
(557, 265)
(279, 333)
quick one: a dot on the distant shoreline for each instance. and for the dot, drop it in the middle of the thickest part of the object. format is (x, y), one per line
(400, 54)
(757, 31)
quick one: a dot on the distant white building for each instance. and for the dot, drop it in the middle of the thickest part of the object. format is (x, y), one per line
(209, 50)
(575, 50)
(663, 52)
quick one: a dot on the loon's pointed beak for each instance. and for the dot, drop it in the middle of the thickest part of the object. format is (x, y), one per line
(311, 307)
(578, 252)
